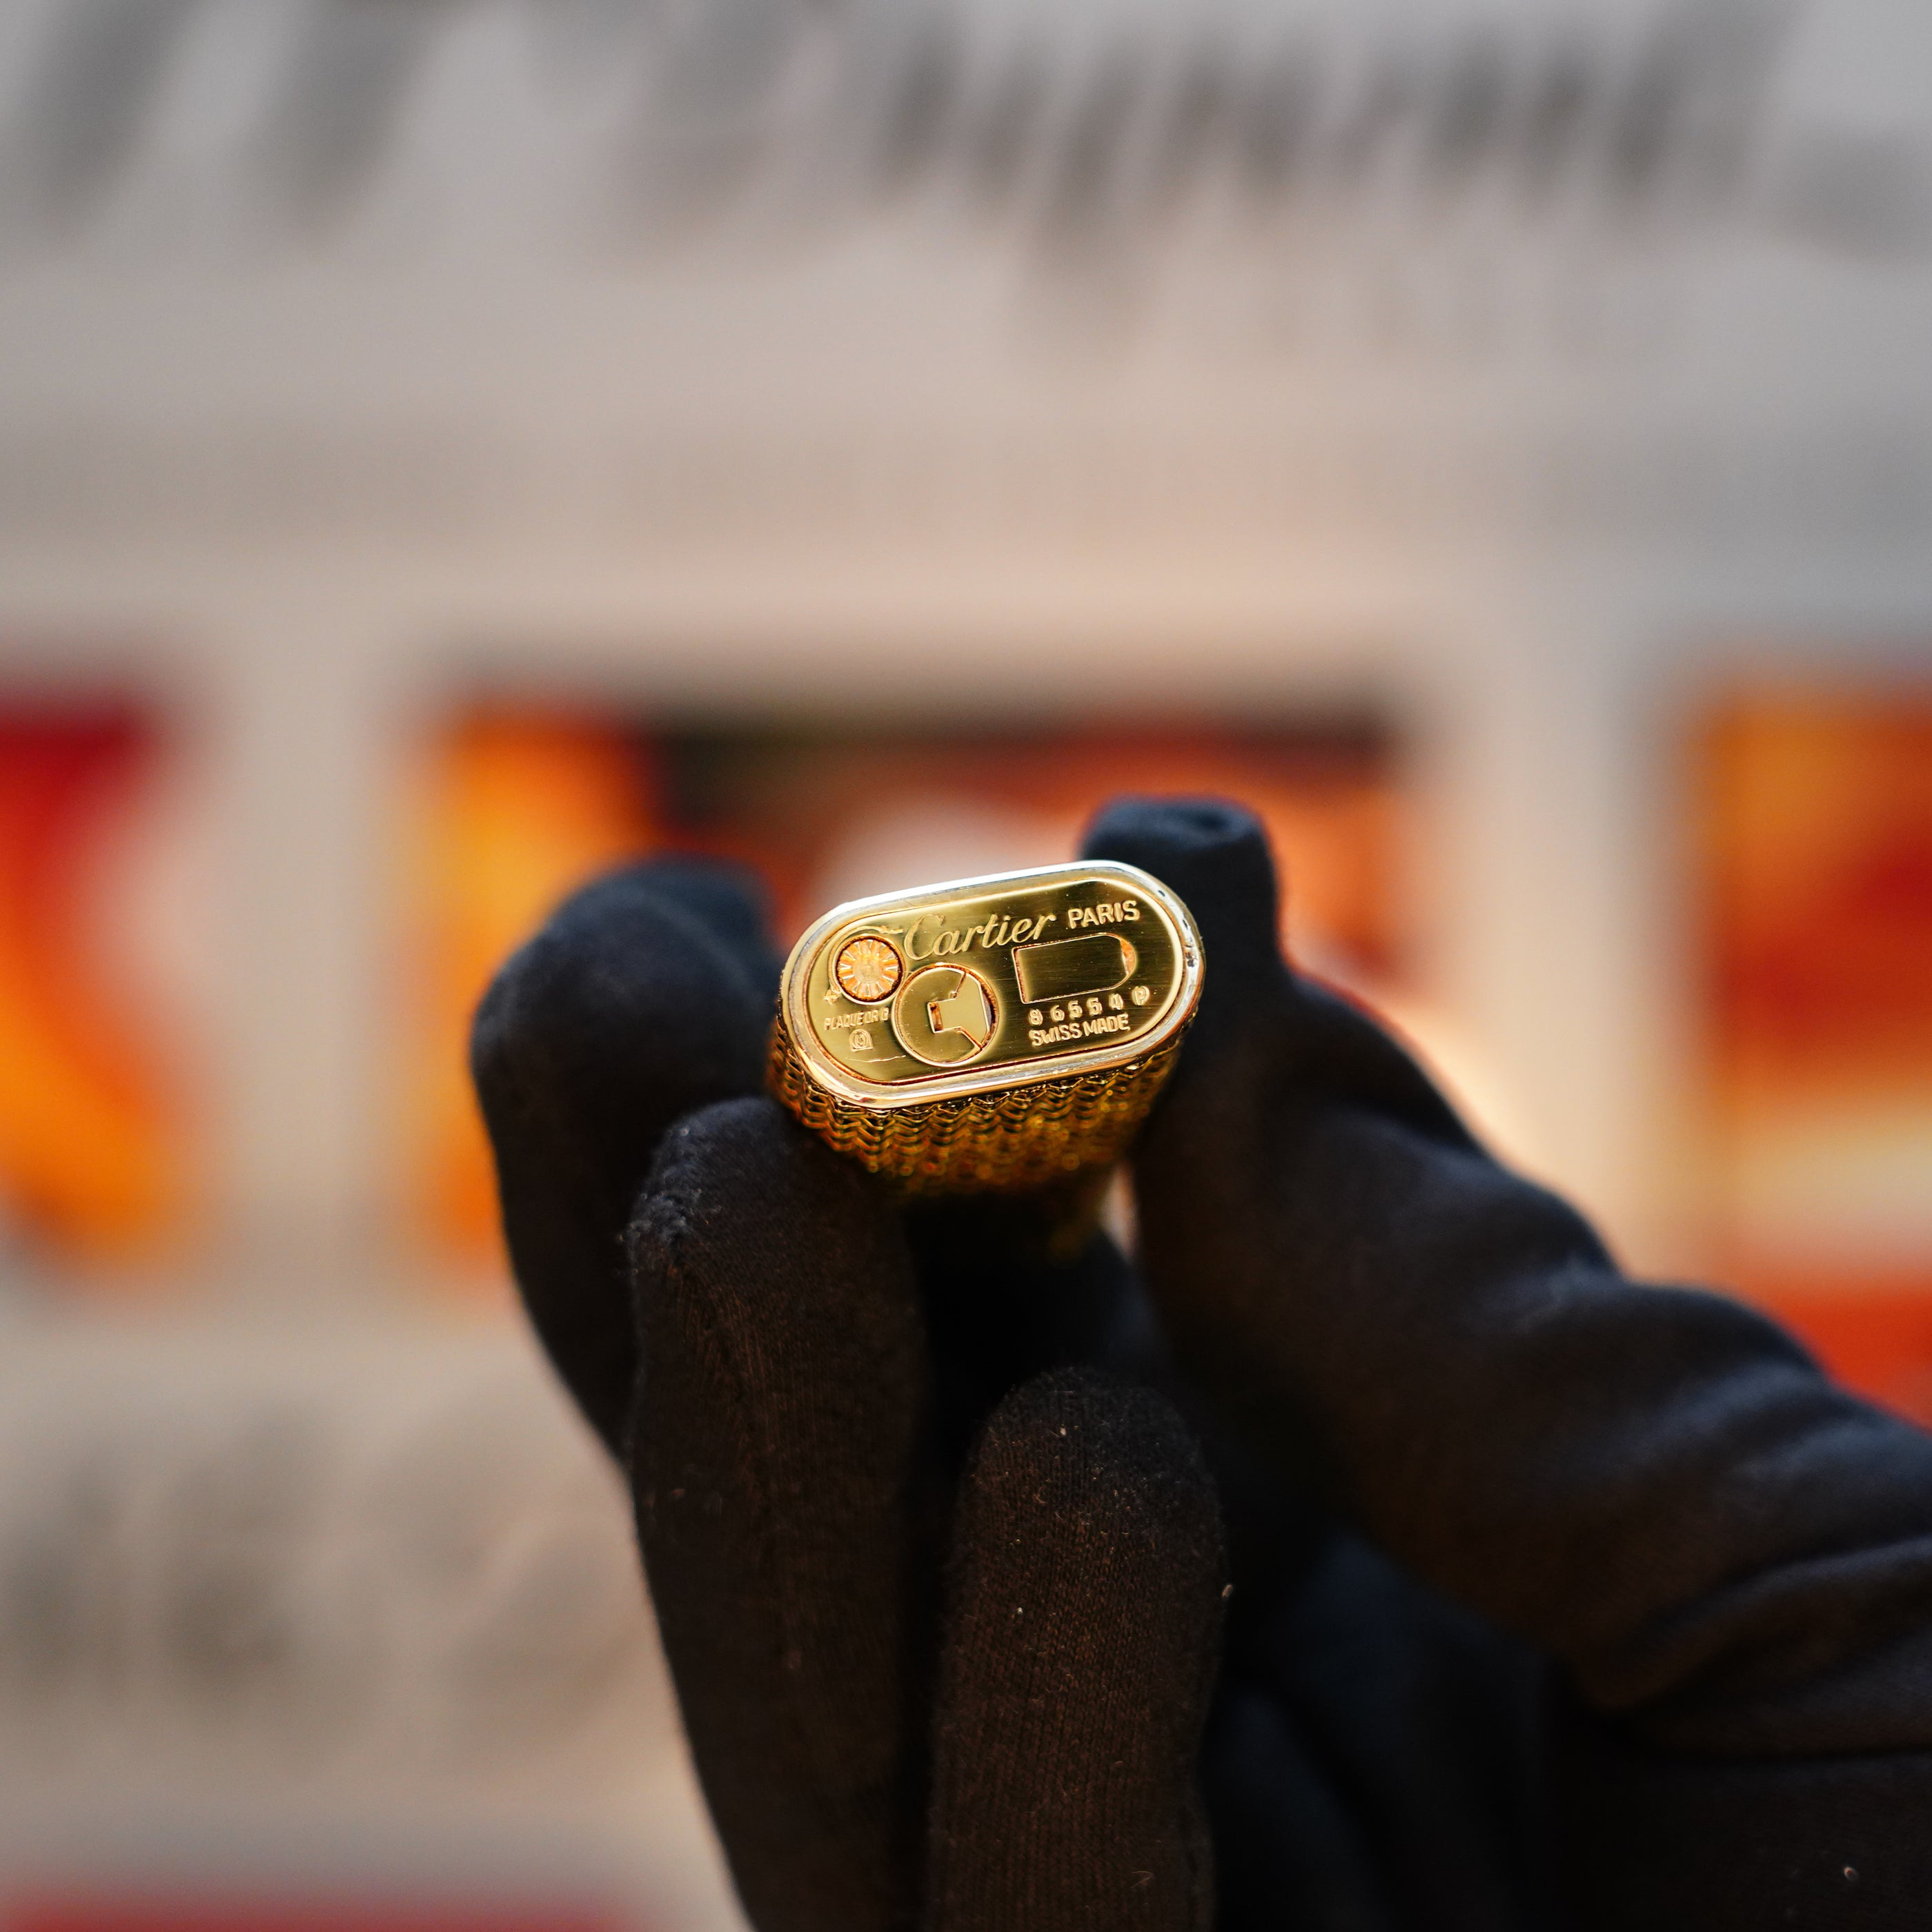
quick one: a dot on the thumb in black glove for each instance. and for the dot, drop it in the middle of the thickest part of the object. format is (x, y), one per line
(1729, 1559)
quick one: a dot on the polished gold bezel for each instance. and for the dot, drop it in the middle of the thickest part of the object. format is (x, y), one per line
(1173, 1006)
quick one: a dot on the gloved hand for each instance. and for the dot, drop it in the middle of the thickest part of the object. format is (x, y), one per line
(939, 1603)
(1726, 1560)
(1558, 1600)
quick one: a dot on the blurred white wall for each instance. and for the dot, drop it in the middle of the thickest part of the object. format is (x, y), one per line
(1514, 365)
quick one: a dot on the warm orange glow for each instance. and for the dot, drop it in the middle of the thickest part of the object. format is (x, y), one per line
(1816, 828)
(1818, 837)
(790, 803)
(92, 1164)
(516, 806)
(514, 809)
(1874, 1333)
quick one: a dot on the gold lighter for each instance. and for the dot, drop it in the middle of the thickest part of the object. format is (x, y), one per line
(1005, 1033)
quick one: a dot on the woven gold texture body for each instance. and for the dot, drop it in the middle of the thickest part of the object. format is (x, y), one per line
(1012, 1141)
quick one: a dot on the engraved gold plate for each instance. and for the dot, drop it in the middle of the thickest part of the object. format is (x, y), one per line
(1004, 1033)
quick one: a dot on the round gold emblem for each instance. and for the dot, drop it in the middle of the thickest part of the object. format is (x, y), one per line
(868, 969)
(946, 1016)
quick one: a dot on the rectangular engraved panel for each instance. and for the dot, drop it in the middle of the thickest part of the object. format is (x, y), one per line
(1094, 964)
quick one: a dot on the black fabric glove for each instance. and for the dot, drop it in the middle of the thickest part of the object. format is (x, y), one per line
(1728, 1560)
(939, 1596)
(1559, 1600)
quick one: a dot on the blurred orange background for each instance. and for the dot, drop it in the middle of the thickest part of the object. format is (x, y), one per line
(1814, 833)
(517, 805)
(96, 1155)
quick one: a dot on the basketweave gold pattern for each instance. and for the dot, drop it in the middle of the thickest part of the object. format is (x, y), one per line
(1010, 1142)
(1004, 1034)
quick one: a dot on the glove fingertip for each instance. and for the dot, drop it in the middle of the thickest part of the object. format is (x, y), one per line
(741, 1186)
(1215, 854)
(642, 997)
(1078, 1441)
(1087, 1589)
(774, 1452)
(731, 903)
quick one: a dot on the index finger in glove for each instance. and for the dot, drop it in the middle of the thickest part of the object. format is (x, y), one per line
(646, 995)
(778, 1469)
(1086, 1582)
